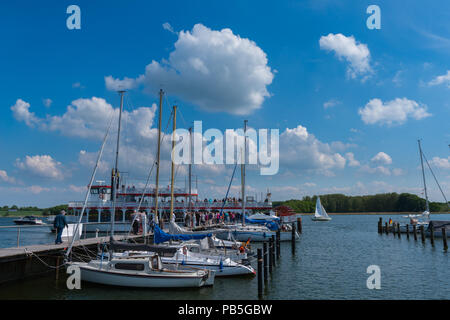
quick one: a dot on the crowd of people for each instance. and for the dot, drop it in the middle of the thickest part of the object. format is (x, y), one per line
(209, 218)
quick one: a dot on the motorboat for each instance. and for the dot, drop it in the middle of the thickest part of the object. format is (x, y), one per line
(28, 220)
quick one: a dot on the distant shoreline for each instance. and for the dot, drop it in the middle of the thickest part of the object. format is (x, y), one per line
(372, 213)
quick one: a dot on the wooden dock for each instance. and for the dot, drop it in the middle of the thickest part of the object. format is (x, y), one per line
(34, 260)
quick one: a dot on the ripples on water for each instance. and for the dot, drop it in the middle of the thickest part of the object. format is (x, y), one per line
(330, 263)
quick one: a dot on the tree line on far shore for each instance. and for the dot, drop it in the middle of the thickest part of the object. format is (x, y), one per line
(46, 212)
(386, 202)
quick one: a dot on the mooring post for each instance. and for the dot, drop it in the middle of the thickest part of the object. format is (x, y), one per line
(415, 231)
(444, 239)
(270, 254)
(260, 273)
(273, 250)
(380, 225)
(299, 225)
(278, 244)
(57, 267)
(386, 226)
(407, 231)
(265, 260)
(398, 229)
(432, 236)
(422, 233)
(293, 238)
(18, 237)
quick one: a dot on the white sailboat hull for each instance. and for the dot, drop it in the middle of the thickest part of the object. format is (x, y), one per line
(320, 218)
(225, 271)
(138, 279)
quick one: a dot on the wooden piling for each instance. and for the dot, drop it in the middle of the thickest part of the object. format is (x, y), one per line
(278, 244)
(293, 238)
(273, 250)
(415, 232)
(380, 226)
(265, 253)
(57, 267)
(432, 236)
(407, 231)
(398, 230)
(18, 237)
(299, 225)
(260, 274)
(444, 239)
(387, 227)
(270, 255)
(422, 233)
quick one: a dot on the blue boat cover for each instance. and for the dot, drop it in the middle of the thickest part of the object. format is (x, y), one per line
(160, 236)
(272, 225)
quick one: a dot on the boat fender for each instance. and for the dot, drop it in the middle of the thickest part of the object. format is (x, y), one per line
(185, 250)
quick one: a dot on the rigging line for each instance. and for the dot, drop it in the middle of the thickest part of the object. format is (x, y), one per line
(229, 186)
(89, 188)
(148, 177)
(435, 179)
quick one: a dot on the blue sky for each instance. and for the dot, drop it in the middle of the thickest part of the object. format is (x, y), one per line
(330, 77)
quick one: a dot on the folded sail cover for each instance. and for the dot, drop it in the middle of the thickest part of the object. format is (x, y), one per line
(160, 236)
(272, 225)
(116, 246)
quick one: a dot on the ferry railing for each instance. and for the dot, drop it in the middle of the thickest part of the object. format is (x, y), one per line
(106, 205)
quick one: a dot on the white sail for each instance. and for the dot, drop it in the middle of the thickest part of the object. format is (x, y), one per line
(320, 212)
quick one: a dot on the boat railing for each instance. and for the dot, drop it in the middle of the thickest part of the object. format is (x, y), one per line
(166, 204)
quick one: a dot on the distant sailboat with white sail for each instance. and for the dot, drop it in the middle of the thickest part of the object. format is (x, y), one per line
(320, 214)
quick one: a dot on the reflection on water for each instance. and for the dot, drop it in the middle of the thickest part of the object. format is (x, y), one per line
(330, 263)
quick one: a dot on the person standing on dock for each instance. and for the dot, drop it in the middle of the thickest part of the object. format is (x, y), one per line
(59, 224)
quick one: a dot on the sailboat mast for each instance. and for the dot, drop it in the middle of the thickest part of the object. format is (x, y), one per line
(423, 175)
(243, 172)
(173, 164)
(161, 93)
(115, 177)
(190, 177)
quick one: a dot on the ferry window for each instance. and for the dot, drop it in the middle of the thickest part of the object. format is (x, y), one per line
(130, 266)
(94, 191)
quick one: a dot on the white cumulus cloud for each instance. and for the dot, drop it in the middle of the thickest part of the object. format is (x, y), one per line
(382, 158)
(443, 79)
(41, 165)
(301, 150)
(442, 163)
(4, 177)
(392, 112)
(357, 54)
(215, 70)
(21, 112)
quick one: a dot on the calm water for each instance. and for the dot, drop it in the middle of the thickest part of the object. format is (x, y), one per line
(330, 262)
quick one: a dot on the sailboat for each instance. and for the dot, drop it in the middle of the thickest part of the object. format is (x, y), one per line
(149, 271)
(424, 218)
(251, 229)
(320, 214)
